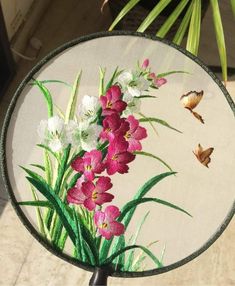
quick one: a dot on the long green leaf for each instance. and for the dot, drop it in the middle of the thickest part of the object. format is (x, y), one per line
(153, 15)
(130, 258)
(38, 166)
(194, 28)
(178, 38)
(160, 121)
(53, 81)
(47, 96)
(48, 167)
(143, 191)
(147, 251)
(219, 32)
(134, 203)
(140, 194)
(71, 108)
(154, 157)
(120, 260)
(38, 203)
(113, 77)
(49, 150)
(58, 205)
(62, 169)
(164, 74)
(101, 85)
(130, 4)
(171, 19)
(233, 6)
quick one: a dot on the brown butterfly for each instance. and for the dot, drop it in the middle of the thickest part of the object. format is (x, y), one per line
(202, 155)
(190, 100)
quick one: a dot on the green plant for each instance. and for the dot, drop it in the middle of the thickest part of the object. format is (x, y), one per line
(190, 24)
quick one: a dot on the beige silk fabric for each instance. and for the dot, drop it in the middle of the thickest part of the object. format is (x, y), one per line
(206, 193)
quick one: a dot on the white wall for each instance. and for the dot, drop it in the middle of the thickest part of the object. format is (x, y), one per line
(14, 12)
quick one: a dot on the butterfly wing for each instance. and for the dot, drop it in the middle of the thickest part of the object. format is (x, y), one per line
(204, 157)
(191, 99)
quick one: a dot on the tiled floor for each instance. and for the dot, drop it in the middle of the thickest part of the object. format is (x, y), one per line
(23, 262)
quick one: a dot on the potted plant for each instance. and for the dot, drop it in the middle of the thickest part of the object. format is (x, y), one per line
(181, 19)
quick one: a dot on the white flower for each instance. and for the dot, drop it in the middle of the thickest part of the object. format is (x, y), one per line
(83, 135)
(89, 135)
(125, 78)
(133, 84)
(52, 133)
(89, 107)
(55, 125)
(133, 105)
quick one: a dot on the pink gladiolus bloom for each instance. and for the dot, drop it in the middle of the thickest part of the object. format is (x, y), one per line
(96, 193)
(111, 102)
(118, 157)
(90, 164)
(134, 134)
(113, 126)
(75, 196)
(145, 64)
(157, 81)
(107, 224)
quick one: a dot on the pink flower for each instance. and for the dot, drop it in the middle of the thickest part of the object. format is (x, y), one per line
(118, 157)
(113, 126)
(145, 64)
(107, 224)
(111, 102)
(157, 81)
(96, 193)
(75, 196)
(90, 164)
(134, 134)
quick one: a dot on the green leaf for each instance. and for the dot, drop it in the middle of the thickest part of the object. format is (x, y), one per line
(49, 150)
(140, 193)
(120, 260)
(101, 85)
(233, 6)
(171, 19)
(130, 258)
(47, 96)
(38, 166)
(153, 15)
(154, 157)
(147, 251)
(114, 75)
(59, 111)
(219, 32)
(53, 81)
(41, 224)
(130, 4)
(62, 168)
(145, 96)
(71, 108)
(164, 74)
(62, 239)
(80, 245)
(183, 26)
(160, 121)
(134, 203)
(58, 205)
(194, 28)
(38, 203)
(48, 167)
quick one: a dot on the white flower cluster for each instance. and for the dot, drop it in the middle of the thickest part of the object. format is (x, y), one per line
(83, 134)
(56, 134)
(133, 86)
